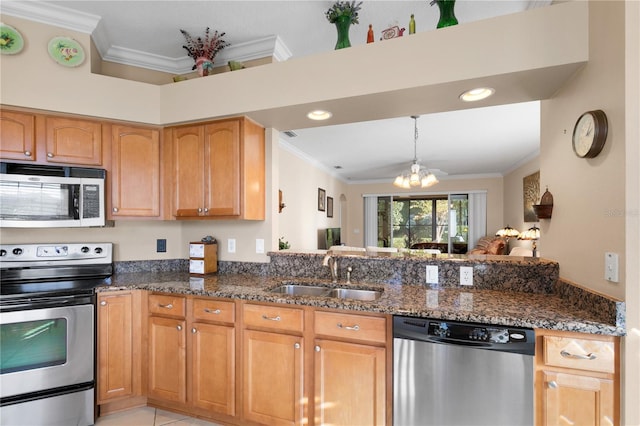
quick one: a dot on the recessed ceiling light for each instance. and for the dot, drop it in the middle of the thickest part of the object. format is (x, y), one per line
(319, 114)
(477, 94)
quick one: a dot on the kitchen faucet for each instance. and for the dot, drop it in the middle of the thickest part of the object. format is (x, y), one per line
(332, 263)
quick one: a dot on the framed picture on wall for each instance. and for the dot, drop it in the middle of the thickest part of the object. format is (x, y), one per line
(321, 199)
(530, 195)
(329, 206)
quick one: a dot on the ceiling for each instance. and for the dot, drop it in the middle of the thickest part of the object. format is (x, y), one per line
(472, 142)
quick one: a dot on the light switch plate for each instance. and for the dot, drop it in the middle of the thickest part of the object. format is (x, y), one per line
(259, 245)
(611, 267)
(231, 245)
(432, 274)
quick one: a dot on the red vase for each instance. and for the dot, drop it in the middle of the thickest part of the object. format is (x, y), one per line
(204, 66)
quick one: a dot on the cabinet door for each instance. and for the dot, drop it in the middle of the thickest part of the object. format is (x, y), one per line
(73, 141)
(571, 399)
(349, 384)
(17, 136)
(188, 187)
(273, 378)
(167, 362)
(135, 174)
(115, 350)
(222, 168)
(213, 360)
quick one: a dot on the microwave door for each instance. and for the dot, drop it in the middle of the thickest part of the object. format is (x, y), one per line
(91, 200)
(28, 201)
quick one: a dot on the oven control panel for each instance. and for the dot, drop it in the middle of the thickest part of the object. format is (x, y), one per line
(12, 255)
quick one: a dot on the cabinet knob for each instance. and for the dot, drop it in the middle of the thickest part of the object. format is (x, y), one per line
(103, 303)
(27, 153)
(317, 348)
(297, 346)
(199, 210)
(193, 330)
(206, 210)
(50, 154)
(179, 327)
(553, 384)
(115, 210)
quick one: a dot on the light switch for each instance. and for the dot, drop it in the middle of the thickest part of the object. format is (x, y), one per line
(259, 245)
(611, 267)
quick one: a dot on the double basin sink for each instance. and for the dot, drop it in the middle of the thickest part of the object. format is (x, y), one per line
(319, 291)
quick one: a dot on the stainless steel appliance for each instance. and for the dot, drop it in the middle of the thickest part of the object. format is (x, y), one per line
(455, 373)
(43, 196)
(47, 331)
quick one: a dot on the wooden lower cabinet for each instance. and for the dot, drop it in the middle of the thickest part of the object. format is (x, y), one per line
(273, 378)
(350, 383)
(577, 379)
(167, 359)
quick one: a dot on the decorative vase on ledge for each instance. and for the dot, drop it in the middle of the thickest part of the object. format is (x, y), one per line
(447, 16)
(342, 26)
(204, 66)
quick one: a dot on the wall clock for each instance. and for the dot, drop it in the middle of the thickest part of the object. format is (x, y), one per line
(590, 133)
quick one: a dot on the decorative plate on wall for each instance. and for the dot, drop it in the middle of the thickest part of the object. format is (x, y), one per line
(11, 41)
(66, 51)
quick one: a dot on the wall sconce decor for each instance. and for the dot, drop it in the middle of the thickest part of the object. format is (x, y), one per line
(281, 205)
(544, 209)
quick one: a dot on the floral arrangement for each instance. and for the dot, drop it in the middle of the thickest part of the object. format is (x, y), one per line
(343, 8)
(282, 244)
(207, 48)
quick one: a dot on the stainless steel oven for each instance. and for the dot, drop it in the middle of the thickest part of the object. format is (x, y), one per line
(47, 331)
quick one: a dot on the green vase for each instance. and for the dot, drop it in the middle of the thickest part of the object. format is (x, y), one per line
(447, 16)
(342, 26)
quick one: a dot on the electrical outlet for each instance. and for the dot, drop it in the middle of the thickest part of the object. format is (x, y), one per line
(466, 275)
(432, 274)
(161, 245)
(231, 245)
(259, 245)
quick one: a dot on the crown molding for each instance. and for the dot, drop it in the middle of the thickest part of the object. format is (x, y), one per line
(45, 13)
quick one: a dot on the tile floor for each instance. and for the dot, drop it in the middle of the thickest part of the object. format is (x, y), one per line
(148, 416)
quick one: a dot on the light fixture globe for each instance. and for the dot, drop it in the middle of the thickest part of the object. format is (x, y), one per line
(417, 175)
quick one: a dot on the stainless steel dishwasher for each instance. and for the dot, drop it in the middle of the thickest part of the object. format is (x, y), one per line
(455, 373)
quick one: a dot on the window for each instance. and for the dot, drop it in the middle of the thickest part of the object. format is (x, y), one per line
(435, 221)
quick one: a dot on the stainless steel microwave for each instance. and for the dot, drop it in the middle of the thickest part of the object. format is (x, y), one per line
(43, 196)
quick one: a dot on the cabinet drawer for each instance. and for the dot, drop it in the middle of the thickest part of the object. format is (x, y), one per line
(213, 310)
(359, 327)
(274, 317)
(166, 304)
(581, 354)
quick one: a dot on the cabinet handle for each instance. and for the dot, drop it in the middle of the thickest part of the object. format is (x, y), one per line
(206, 210)
(317, 348)
(211, 311)
(349, 327)
(179, 327)
(589, 357)
(553, 384)
(27, 153)
(169, 306)
(103, 303)
(277, 318)
(193, 330)
(115, 210)
(297, 346)
(50, 154)
(199, 210)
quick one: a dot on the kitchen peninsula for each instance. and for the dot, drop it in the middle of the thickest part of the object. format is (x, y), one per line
(254, 339)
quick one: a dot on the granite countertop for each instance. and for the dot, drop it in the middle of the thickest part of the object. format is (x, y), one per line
(518, 309)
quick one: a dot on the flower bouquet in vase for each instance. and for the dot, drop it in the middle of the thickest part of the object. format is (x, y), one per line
(204, 51)
(343, 14)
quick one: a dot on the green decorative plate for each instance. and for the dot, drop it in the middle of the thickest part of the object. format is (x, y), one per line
(11, 41)
(66, 51)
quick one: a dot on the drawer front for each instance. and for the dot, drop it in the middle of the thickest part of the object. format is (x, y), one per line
(274, 317)
(359, 327)
(214, 310)
(165, 304)
(581, 354)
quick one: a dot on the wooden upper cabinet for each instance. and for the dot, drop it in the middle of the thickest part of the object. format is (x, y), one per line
(218, 170)
(135, 172)
(73, 141)
(17, 136)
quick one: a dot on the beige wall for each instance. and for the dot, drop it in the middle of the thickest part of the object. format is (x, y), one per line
(300, 220)
(493, 186)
